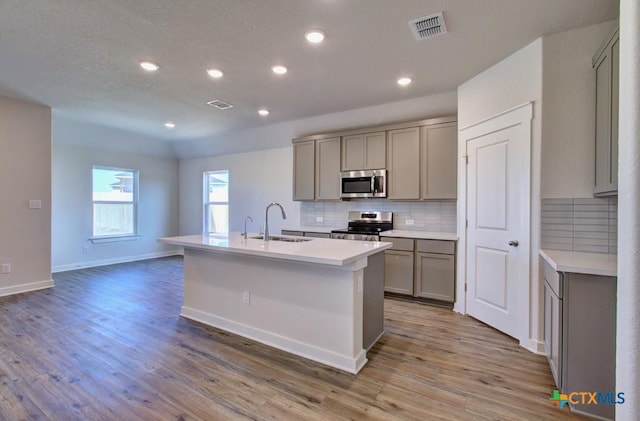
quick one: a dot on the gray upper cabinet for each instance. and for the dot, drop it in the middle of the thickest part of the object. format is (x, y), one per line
(304, 170)
(605, 64)
(420, 158)
(327, 165)
(364, 151)
(438, 157)
(403, 163)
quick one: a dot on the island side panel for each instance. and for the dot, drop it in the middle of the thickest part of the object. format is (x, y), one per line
(311, 310)
(373, 300)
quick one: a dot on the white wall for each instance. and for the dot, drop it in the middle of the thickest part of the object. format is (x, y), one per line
(514, 81)
(25, 173)
(568, 120)
(280, 135)
(255, 180)
(72, 206)
(88, 135)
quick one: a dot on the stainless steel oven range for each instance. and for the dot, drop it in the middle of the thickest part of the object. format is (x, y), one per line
(365, 226)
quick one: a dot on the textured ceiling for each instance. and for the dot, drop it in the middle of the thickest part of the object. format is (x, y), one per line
(81, 57)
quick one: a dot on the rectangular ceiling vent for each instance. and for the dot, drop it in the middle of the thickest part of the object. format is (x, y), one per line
(428, 26)
(221, 105)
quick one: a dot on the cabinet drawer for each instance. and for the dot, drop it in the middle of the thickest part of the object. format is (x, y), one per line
(399, 243)
(436, 246)
(553, 278)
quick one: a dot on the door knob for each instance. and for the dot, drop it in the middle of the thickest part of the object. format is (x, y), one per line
(514, 243)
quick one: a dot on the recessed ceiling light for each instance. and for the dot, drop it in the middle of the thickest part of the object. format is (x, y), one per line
(149, 66)
(280, 70)
(169, 124)
(314, 36)
(263, 112)
(216, 73)
(404, 81)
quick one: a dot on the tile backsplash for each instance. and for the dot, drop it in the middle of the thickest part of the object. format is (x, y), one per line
(426, 216)
(589, 224)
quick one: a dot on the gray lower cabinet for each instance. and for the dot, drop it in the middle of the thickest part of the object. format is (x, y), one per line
(435, 270)
(398, 266)
(317, 234)
(306, 234)
(398, 271)
(553, 322)
(589, 338)
(421, 268)
(580, 335)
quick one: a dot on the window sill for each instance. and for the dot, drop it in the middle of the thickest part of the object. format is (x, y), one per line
(113, 239)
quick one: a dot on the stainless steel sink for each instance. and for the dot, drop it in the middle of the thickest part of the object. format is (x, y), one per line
(277, 238)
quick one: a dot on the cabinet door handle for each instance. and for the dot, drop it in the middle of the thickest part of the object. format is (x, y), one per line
(514, 243)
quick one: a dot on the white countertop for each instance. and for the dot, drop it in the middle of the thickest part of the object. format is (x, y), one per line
(316, 250)
(421, 235)
(581, 262)
(309, 228)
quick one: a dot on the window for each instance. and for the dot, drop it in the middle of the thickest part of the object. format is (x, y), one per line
(216, 202)
(115, 202)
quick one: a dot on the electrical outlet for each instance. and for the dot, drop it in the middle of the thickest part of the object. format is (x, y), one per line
(319, 219)
(408, 221)
(85, 248)
(6, 268)
(35, 204)
(246, 297)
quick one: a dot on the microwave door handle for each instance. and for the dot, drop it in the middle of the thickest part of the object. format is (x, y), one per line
(373, 184)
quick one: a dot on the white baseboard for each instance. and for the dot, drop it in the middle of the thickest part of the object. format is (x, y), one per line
(342, 362)
(33, 286)
(537, 347)
(125, 259)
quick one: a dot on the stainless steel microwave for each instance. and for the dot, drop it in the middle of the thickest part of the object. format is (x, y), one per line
(365, 183)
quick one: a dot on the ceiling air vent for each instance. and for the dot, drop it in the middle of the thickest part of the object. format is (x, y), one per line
(221, 105)
(428, 26)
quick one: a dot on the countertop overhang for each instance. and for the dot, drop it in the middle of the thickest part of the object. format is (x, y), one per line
(581, 262)
(317, 250)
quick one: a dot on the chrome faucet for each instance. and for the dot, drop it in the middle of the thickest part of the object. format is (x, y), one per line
(266, 218)
(248, 218)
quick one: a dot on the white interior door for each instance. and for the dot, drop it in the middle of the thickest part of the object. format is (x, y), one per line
(498, 188)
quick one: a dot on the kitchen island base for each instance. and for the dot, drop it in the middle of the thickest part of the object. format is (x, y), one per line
(312, 310)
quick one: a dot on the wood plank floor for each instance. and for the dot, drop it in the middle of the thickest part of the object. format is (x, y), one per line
(107, 343)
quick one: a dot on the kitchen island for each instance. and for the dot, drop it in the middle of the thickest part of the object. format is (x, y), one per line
(320, 299)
